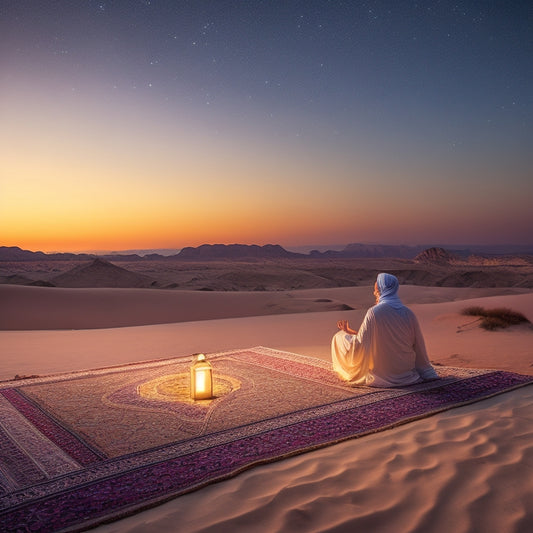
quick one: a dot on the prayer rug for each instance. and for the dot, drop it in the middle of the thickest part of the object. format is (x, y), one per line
(80, 449)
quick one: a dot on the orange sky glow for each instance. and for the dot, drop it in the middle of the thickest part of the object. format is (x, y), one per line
(110, 144)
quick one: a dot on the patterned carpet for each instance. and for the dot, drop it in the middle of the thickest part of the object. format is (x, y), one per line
(83, 448)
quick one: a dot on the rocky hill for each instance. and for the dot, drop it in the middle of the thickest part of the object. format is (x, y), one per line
(100, 273)
(437, 256)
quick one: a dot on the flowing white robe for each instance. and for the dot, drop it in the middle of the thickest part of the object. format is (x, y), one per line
(388, 350)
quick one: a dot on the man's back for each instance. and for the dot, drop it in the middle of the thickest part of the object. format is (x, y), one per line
(392, 341)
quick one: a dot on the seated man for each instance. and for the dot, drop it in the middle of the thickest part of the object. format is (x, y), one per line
(389, 349)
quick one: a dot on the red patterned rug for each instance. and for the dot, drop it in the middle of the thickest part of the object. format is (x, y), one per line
(88, 447)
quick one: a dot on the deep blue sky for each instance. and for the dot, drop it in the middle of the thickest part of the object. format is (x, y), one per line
(283, 121)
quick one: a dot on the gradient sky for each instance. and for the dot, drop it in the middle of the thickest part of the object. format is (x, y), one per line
(162, 124)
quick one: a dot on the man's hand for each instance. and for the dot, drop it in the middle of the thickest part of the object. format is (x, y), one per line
(344, 326)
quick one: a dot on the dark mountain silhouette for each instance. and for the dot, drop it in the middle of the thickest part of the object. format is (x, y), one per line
(14, 253)
(207, 252)
(101, 273)
(359, 251)
(274, 251)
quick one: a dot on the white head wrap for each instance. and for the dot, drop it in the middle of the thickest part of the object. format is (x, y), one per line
(388, 290)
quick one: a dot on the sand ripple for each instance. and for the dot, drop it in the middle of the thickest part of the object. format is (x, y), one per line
(465, 470)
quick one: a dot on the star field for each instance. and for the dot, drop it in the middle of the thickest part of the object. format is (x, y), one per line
(300, 108)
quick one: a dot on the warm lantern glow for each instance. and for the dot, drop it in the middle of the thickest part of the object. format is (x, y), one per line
(201, 379)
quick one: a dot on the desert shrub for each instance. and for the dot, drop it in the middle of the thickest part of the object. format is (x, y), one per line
(493, 322)
(507, 315)
(474, 310)
(492, 319)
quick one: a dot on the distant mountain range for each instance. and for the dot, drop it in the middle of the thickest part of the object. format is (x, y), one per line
(205, 252)
(271, 267)
(14, 253)
(357, 250)
(213, 252)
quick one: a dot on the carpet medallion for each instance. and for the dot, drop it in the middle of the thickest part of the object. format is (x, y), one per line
(87, 447)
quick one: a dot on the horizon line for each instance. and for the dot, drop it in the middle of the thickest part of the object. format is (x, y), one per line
(309, 247)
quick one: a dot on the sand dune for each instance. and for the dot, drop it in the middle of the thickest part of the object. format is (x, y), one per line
(57, 308)
(219, 321)
(40, 308)
(457, 471)
(465, 470)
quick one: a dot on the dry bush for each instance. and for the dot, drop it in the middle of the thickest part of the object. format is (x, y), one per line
(500, 317)
(474, 310)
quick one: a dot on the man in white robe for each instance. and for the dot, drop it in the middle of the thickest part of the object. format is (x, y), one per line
(389, 349)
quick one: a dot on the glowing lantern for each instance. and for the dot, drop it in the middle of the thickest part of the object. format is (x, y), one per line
(201, 379)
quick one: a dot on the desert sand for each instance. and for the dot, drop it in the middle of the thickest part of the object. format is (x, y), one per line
(464, 470)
